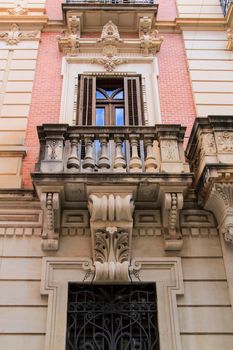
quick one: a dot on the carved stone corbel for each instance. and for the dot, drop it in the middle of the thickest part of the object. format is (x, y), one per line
(150, 39)
(68, 42)
(220, 202)
(50, 203)
(111, 228)
(172, 203)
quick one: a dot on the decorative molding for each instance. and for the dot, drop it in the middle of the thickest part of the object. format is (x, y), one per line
(15, 35)
(19, 9)
(20, 231)
(165, 272)
(50, 204)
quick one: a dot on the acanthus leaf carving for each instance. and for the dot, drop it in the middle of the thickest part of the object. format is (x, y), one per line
(111, 228)
(50, 203)
(14, 35)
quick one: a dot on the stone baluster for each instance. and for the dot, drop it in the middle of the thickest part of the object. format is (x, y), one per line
(150, 162)
(73, 162)
(104, 162)
(88, 162)
(135, 163)
(119, 162)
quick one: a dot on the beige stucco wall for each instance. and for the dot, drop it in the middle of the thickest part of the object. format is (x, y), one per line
(17, 71)
(199, 8)
(204, 311)
(211, 71)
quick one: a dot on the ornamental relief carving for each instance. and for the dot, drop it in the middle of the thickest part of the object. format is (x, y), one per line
(169, 150)
(225, 141)
(208, 146)
(18, 9)
(15, 35)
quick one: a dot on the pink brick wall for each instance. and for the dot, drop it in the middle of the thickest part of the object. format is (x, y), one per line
(167, 10)
(53, 8)
(46, 99)
(176, 99)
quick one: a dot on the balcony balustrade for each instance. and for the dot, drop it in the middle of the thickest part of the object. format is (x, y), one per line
(225, 4)
(141, 2)
(77, 149)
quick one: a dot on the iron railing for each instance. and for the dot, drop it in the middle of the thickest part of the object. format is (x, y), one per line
(116, 2)
(225, 4)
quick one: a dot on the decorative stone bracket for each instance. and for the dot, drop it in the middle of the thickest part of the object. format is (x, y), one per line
(68, 41)
(150, 39)
(50, 204)
(210, 151)
(172, 203)
(220, 202)
(111, 229)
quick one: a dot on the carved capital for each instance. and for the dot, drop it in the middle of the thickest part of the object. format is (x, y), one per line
(50, 203)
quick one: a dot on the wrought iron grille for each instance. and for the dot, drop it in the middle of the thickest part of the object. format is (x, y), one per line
(225, 5)
(112, 317)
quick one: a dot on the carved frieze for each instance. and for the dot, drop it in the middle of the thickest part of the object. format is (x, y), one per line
(15, 35)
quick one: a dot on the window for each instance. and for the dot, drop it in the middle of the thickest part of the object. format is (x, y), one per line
(109, 101)
(112, 317)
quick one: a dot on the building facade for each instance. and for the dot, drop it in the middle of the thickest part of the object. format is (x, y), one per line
(116, 174)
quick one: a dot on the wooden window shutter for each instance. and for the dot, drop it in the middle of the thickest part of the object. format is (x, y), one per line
(133, 101)
(86, 100)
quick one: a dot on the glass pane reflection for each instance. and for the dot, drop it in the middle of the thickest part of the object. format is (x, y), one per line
(120, 116)
(100, 112)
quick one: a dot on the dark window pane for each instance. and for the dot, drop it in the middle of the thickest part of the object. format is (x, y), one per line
(100, 113)
(120, 116)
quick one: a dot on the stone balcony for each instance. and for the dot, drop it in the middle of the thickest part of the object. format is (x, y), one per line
(124, 14)
(112, 171)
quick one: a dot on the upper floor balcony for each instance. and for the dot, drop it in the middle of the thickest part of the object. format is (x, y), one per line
(94, 14)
